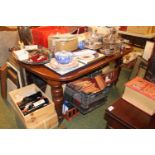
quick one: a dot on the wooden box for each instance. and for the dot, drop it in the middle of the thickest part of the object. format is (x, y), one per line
(40, 34)
(42, 118)
(145, 30)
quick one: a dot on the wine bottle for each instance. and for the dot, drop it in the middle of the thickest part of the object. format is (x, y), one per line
(32, 98)
(35, 105)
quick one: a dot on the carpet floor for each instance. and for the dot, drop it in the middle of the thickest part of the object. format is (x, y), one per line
(92, 120)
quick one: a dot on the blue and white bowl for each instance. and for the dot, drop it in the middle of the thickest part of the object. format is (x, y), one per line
(63, 57)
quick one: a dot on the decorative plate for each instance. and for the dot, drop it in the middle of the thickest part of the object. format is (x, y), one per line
(54, 64)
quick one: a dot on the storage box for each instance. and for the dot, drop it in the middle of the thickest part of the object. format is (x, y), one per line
(141, 94)
(66, 42)
(86, 102)
(141, 29)
(40, 34)
(44, 117)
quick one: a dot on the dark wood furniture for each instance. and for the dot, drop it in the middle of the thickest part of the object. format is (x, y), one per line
(55, 80)
(137, 39)
(123, 115)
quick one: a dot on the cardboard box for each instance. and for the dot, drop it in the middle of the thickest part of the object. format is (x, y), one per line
(42, 118)
(141, 94)
(145, 30)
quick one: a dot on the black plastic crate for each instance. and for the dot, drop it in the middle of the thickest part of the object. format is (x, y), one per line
(91, 107)
(86, 102)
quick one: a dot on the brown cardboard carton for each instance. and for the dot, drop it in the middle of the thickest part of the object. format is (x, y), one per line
(141, 94)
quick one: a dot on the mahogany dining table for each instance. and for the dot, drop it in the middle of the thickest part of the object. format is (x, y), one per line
(56, 80)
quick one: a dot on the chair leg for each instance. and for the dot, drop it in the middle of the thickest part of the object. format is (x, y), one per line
(3, 77)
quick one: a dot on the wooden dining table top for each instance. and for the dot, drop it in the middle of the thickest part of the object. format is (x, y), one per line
(47, 73)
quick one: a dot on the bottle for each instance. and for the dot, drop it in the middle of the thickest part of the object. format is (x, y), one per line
(81, 45)
(66, 106)
(32, 98)
(33, 106)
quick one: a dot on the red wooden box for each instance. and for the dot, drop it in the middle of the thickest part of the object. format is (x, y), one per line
(40, 34)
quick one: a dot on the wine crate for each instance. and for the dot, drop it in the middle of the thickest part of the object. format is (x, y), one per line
(42, 118)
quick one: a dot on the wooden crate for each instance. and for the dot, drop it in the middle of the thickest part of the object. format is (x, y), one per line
(45, 117)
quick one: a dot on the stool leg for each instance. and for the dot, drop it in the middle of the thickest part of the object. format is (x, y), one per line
(3, 77)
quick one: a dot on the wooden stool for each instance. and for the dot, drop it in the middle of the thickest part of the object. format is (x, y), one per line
(123, 115)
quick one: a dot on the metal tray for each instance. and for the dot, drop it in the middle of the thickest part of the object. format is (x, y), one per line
(36, 63)
(28, 61)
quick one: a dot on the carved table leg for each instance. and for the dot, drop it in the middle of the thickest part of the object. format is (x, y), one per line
(57, 95)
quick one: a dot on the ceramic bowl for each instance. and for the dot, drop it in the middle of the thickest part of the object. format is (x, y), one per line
(63, 57)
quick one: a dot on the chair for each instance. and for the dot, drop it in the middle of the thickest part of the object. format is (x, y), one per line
(139, 68)
(10, 79)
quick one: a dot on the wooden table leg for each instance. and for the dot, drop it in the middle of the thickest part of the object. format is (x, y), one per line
(57, 96)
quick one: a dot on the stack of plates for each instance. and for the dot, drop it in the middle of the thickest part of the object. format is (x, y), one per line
(54, 64)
